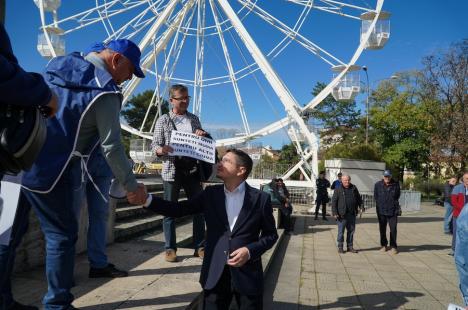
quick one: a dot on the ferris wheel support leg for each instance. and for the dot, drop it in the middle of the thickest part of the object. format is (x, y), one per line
(283, 93)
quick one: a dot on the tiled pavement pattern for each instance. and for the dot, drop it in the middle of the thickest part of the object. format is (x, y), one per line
(308, 273)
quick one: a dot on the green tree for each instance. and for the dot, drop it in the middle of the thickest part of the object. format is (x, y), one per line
(135, 111)
(337, 118)
(400, 123)
(357, 151)
(136, 108)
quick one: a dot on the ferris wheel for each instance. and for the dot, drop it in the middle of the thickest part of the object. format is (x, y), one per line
(242, 60)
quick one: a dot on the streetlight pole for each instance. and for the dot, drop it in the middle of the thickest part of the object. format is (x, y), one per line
(367, 104)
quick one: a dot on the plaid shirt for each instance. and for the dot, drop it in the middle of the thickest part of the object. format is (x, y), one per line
(162, 136)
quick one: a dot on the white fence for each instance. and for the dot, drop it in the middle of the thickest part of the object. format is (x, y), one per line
(409, 200)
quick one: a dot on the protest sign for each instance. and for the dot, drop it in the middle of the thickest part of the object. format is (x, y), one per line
(191, 145)
(9, 197)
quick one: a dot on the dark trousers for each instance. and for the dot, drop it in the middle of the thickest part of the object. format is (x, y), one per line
(454, 232)
(321, 201)
(191, 186)
(392, 223)
(220, 297)
(349, 222)
(286, 217)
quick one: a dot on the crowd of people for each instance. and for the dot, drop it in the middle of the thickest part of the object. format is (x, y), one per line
(83, 151)
(346, 204)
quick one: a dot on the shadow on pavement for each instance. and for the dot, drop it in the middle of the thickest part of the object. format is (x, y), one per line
(147, 303)
(387, 300)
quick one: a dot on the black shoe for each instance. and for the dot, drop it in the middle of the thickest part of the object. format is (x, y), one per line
(324, 218)
(352, 250)
(316, 217)
(107, 272)
(17, 306)
(341, 251)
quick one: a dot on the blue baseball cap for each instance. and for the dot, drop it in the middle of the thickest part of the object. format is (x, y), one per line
(124, 47)
(387, 173)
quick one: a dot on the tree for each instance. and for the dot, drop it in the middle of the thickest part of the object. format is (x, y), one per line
(400, 123)
(445, 92)
(358, 151)
(135, 111)
(340, 119)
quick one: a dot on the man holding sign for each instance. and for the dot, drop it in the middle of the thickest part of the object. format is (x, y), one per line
(179, 171)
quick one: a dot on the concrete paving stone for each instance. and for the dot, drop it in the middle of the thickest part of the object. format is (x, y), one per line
(369, 286)
(331, 277)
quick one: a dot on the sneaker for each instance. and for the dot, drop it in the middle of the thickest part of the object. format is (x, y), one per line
(383, 249)
(171, 256)
(352, 250)
(107, 272)
(341, 251)
(200, 252)
(393, 251)
(17, 306)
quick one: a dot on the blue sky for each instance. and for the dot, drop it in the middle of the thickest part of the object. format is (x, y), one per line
(418, 28)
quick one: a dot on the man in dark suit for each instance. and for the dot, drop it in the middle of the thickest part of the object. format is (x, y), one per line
(240, 228)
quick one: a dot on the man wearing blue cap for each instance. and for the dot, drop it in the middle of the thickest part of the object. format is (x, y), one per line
(386, 195)
(88, 119)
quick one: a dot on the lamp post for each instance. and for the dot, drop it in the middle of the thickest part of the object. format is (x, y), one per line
(367, 104)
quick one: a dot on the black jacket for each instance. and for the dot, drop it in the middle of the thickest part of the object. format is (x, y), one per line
(255, 229)
(322, 185)
(386, 197)
(339, 200)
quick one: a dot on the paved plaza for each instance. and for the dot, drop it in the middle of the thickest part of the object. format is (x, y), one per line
(306, 272)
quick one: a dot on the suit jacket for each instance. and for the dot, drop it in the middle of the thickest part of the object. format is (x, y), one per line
(255, 229)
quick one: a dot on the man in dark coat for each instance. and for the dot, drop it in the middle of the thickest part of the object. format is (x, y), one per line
(240, 228)
(322, 195)
(386, 195)
(346, 202)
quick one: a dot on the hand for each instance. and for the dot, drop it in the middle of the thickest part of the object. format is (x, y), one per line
(53, 104)
(239, 257)
(139, 196)
(200, 132)
(337, 217)
(164, 150)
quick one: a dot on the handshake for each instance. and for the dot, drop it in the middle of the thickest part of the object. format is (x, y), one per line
(138, 197)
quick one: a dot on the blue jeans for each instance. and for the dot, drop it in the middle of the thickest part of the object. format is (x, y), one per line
(349, 222)
(58, 212)
(98, 214)
(8, 252)
(447, 217)
(191, 186)
(461, 252)
(454, 232)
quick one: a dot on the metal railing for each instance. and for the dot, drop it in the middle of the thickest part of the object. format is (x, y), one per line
(268, 171)
(409, 200)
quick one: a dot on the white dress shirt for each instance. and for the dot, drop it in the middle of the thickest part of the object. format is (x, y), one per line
(234, 202)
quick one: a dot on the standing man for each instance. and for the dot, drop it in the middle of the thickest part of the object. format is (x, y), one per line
(386, 195)
(459, 199)
(322, 195)
(448, 187)
(24, 89)
(346, 202)
(241, 228)
(88, 116)
(337, 183)
(179, 172)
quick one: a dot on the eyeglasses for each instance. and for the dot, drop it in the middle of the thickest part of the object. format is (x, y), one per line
(187, 98)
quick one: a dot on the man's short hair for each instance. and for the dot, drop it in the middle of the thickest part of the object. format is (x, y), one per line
(322, 172)
(177, 87)
(346, 176)
(242, 159)
(340, 174)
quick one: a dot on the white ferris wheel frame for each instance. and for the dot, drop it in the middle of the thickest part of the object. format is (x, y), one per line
(291, 106)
